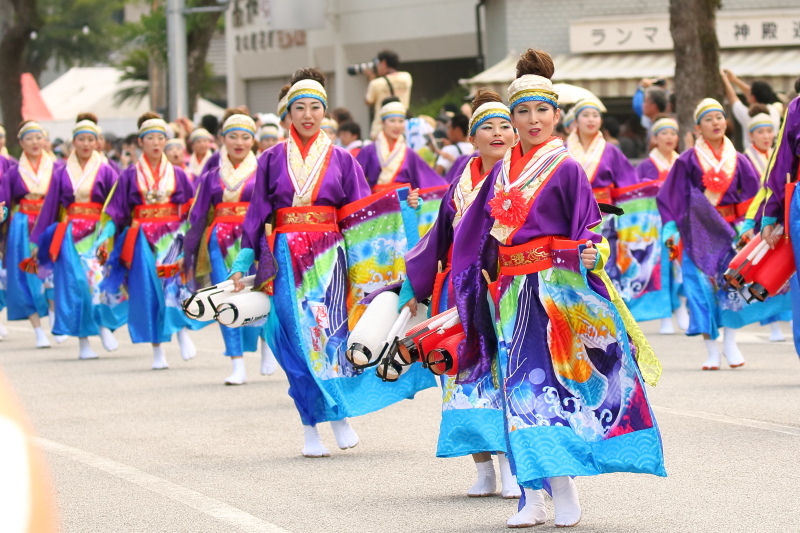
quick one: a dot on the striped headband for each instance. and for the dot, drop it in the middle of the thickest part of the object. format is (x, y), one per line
(282, 106)
(239, 123)
(587, 103)
(200, 133)
(268, 131)
(393, 109)
(153, 125)
(569, 118)
(707, 106)
(488, 111)
(307, 89)
(30, 127)
(531, 88)
(177, 141)
(329, 123)
(86, 126)
(664, 124)
(761, 120)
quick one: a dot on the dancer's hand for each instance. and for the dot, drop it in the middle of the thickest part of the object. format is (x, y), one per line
(237, 282)
(589, 256)
(412, 305)
(2, 211)
(413, 199)
(769, 237)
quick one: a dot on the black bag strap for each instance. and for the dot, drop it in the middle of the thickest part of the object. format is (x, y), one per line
(391, 89)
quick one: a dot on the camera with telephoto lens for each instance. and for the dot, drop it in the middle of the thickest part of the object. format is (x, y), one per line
(359, 68)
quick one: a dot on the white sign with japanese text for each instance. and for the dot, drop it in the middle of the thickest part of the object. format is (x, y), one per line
(735, 29)
(253, 30)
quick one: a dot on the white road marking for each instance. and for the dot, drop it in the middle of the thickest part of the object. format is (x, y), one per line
(736, 421)
(205, 504)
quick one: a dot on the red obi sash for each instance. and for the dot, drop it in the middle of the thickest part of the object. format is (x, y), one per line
(146, 213)
(533, 256)
(308, 218)
(732, 212)
(30, 207)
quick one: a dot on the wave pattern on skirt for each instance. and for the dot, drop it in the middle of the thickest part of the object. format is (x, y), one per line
(308, 326)
(24, 292)
(574, 399)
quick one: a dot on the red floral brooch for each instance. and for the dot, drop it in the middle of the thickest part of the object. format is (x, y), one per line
(716, 181)
(510, 208)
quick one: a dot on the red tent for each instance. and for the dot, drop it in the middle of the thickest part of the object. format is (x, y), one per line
(33, 107)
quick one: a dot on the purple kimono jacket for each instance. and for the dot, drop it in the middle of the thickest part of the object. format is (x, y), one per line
(414, 170)
(127, 196)
(614, 170)
(342, 184)
(209, 193)
(60, 194)
(786, 161)
(458, 167)
(565, 206)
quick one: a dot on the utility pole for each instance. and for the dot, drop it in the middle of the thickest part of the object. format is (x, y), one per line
(176, 59)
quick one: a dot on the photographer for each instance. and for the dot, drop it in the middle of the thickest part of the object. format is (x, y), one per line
(386, 81)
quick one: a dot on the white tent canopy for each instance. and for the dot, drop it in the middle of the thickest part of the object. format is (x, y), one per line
(94, 89)
(616, 75)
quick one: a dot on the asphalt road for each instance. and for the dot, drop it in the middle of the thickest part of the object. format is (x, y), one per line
(131, 449)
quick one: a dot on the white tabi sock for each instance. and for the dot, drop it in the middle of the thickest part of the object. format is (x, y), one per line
(268, 362)
(238, 377)
(86, 351)
(3, 331)
(534, 512)
(565, 500)
(188, 351)
(666, 326)
(730, 349)
(109, 341)
(346, 436)
(508, 481)
(159, 359)
(775, 333)
(486, 484)
(713, 360)
(313, 446)
(41, 338)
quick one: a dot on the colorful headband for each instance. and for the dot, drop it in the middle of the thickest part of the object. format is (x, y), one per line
(177, 141)
(761, 120)
(283, 107)
(707, 106)
(239, 123)
(488, 111)
(664, 124)
(86, 126)
(30, 127)
(200, 133)
(531, 88)
(153, 125)
(587, 103)
(393, 109)
(307, 89)
(268, 131)
(329, 123)
(569, 118)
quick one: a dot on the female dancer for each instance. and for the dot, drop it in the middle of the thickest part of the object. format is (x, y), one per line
(223, 196)
(200, 144)
(175, 150)
(657, 167)
(472, 416)
(302, 182)
(4, 164)
(268, 136)
(80, 188)
(762, 136)
(783, 201)
(705, 197)
(574, 398)
(388, 162)
(24, 187)
(147, 202)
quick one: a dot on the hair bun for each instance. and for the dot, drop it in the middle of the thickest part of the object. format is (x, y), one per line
(484, 96)
(86, 116)
(536, 62)
(309, 73)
